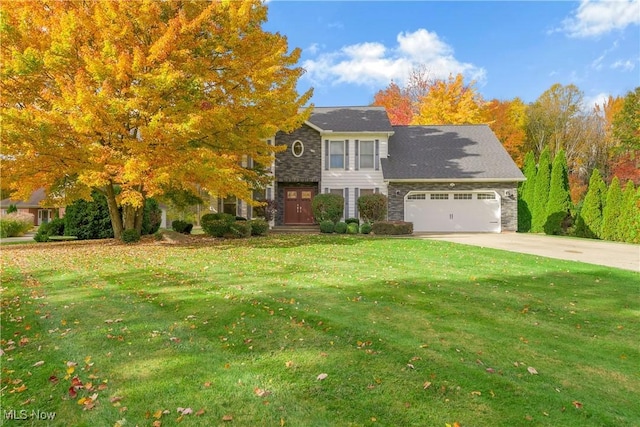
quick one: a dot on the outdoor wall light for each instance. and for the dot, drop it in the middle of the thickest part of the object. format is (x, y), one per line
(452, 185)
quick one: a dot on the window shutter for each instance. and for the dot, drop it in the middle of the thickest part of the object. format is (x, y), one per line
(239, 207)
(377, 190)
(326, 190)
(355, 207)
(356, 154)
(346, 154)
(346, 203)
(377, 155)
(269, 193)
(326, 154)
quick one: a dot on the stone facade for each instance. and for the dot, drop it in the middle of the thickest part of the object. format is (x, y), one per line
(306, 168)
(508, 203)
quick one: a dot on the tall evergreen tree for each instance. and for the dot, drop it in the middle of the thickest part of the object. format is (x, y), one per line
(611, 212)
(526, 193)
(559, 203)
(629, 221)
(541, 192)
(589, 221)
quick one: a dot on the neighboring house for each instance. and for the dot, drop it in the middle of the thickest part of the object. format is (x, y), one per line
(41, 214)
(441, 178)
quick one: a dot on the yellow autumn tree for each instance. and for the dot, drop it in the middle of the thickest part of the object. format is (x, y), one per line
(135, 98)
(450, 102)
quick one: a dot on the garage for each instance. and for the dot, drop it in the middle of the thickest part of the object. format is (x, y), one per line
(462, 211)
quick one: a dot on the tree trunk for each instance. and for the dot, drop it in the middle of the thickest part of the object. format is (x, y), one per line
(114, 212)
(132, 217)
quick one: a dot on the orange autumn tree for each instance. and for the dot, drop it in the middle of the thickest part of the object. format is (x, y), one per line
(450, 102)
(137, 98)
(507, 119)
(396, 102)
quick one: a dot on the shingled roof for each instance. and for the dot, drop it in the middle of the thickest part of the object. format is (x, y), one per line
(460, 152)
(351, 119)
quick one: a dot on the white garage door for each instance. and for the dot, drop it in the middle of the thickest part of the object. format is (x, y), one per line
(453, 211)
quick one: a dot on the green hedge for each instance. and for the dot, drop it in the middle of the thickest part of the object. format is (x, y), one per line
(341, 227)
(327, 226)
(217, 224)
(54, 227)
(259, 227)
(392, 228)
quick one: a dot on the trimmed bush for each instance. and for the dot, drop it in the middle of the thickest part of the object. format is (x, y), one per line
(352, 228)
(392, 228)
(526, 193)
(130, 236)
(541, 192)
(217, 224)
(341, 227)
(365, 228)
(259, 227)
(238, 230)
(373, 207)
(327, 207)
(52, 228)
(352, 221)
(15, 224)
(88, 219)
(181, 226)
(327, 226)
(612, 212)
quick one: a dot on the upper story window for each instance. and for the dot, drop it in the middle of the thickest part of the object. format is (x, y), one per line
(336, 154)
(297, 148)
(367, 154)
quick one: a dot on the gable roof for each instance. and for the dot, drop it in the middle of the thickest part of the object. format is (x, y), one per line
(34, 200)
(350, 119)
(452, 152)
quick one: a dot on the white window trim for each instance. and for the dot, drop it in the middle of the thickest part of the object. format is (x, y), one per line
(293, 151)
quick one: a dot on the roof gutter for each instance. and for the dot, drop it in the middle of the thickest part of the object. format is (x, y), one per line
(434, 180)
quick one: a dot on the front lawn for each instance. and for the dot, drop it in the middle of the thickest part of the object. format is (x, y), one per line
(315, 331)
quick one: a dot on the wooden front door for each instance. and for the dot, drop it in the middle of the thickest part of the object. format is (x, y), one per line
(297, 205)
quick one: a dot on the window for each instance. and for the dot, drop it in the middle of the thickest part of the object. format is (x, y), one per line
(338, 191)
(462, 196)
(297, 148)
(420, 196)
(367, 153)
(229, 205)
(336, 154)
(439, 196)
(486, 196)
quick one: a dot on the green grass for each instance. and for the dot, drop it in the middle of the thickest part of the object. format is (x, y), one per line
(408, 331)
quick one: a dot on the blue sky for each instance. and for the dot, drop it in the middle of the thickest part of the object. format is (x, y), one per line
(511, 49)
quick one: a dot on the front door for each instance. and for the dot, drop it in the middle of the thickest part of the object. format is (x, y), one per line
(297, 205)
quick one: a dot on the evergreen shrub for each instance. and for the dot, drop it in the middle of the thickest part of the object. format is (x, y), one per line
(327, 226)
(259, 227)
(327, 207)
(352, 228)
(54, 227)
(392, 228)
(365, 228)
(373, 207)
(341, 227)
(130, 236)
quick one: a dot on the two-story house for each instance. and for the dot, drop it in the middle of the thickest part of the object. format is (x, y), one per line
(441, 178)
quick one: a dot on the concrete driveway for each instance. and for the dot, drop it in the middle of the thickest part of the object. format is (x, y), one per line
(611, 254)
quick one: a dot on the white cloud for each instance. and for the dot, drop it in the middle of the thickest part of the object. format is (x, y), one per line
(627, 65)
(374, 64)
(589, 102)
(594, 18)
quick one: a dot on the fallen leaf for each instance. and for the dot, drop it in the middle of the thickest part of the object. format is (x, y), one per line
(261, 392)
(157, 414)
(289, 363)
(322, 377)
(476, 393)
(532, 370)
(39, 363)
(490, 370)
(426, 385)
(115, 399)
(200, 412)
(227, 418)
(207, 384)
(157, 423)
(577, 404)
(72, 392)
(53, 379)
(185, 411)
